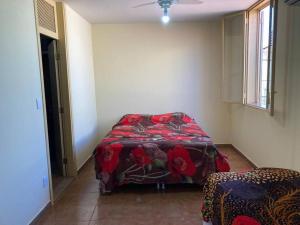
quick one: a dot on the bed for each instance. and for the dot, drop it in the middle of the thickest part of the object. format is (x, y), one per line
(264, 196)
(156, 149)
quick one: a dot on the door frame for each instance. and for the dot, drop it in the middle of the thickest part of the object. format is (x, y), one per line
(71, 167)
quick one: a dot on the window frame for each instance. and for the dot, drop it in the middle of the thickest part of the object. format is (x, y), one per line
(272, 56)
(255, 9)
(255, 94)
(260, 55)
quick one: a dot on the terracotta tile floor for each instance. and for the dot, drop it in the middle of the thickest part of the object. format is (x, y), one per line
(131, 205)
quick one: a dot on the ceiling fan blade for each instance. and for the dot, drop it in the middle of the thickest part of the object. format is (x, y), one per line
(144, 4)
(188, 2)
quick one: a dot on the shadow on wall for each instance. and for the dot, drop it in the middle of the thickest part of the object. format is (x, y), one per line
(85, 146)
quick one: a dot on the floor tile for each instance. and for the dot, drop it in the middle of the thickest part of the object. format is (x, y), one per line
(81, 203)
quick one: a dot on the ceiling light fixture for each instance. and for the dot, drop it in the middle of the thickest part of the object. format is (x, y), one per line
(165, 18)
(166, 5)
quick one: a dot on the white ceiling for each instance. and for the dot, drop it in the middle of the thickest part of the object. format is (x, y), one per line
(122, 11)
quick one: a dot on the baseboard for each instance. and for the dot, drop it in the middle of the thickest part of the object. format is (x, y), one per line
(85, 164)
(40, 214)
(239, 152)
(224, 145)
(245, 157)
(48, 205)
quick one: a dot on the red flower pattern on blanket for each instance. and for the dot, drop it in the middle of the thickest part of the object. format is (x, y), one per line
(194, 131)
(165, 118)
(245, 220)
(180, 138)
(186, 119)
(158, 132)
(122, 133)
(140, 157)
(131, 119)
(109, 157)
(222, 163)
(109, 139)
(180, 163)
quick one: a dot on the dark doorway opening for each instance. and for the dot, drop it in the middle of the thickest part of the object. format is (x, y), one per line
(54, 110)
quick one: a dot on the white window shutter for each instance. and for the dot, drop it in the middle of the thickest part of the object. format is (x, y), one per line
(234, 28)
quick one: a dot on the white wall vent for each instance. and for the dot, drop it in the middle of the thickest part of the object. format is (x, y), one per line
(47, 18)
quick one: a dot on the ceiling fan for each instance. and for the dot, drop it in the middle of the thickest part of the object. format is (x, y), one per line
(166, 5)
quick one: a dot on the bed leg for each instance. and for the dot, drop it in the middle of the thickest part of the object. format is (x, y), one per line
(163, 187)
(158, 186)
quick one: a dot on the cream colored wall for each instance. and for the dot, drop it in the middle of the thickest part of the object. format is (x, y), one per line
(149, 68)
(82, 85)
(295, 71)
(274, 141)
(23, 160)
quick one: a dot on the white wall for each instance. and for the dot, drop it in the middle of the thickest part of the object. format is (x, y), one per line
(149, 68)
(274, 141)
(23, 161)
(295, 80)
(82, 85)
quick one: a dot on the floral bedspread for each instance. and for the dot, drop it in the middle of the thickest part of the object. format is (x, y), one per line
(145, 149)
(266, 196)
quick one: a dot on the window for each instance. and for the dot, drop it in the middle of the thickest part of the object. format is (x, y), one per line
(248, 60)
(263, 59)
(259, 56)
